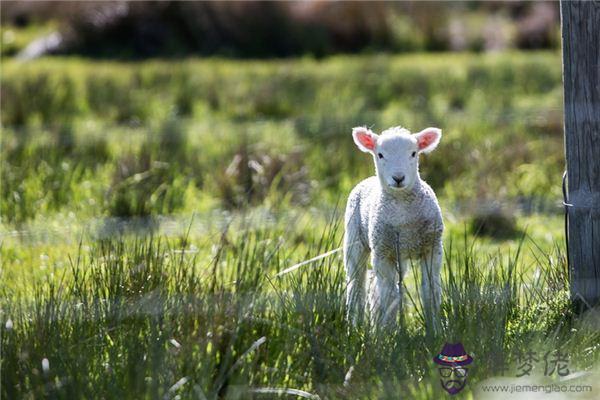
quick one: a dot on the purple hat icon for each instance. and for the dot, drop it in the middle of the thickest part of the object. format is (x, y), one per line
(453, 355)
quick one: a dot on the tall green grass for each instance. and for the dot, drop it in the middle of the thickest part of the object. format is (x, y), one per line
(147, 318)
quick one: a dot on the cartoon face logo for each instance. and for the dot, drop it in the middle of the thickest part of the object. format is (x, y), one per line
(452, 362)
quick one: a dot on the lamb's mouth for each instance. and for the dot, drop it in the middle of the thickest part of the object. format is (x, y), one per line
(397, 187)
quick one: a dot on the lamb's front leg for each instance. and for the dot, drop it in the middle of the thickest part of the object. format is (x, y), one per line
(355, 261)
(385, 297)
(431, 287)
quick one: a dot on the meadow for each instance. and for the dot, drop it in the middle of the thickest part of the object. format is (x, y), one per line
(147, 207)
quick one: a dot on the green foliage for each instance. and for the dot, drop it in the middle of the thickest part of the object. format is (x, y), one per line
(132, 317)
(42, 175)
(499, 114)
(142, 185)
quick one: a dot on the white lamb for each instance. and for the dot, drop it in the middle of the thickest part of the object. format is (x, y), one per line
(395, 216)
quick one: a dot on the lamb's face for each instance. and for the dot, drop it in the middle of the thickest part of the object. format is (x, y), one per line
(396, 160)
(396, 153)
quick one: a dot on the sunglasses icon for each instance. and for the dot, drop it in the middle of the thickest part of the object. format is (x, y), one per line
(459, 372)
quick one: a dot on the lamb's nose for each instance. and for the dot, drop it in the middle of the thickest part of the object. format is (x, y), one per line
(398, 179)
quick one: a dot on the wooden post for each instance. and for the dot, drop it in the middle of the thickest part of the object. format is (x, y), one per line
(581, 76)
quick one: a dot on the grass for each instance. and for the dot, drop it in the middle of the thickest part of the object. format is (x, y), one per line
(146, 208)
(198, 124)
(149, 318)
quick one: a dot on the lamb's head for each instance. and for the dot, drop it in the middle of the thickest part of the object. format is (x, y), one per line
(395, 153)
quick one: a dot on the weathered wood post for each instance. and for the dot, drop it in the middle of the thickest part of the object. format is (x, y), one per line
(581, 76)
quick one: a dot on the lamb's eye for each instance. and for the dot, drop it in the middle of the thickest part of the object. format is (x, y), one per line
(414, 153)
(380, 155)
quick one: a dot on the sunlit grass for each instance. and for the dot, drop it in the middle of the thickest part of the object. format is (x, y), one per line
(146, 209)
(130, 317)
(72, 146)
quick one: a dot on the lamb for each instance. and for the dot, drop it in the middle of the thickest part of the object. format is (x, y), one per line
(394, 216)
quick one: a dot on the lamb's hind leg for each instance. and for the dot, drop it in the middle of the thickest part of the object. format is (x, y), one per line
(355, 262)
(431, 287)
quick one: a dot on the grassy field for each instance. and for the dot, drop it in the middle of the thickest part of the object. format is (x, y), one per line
(146, 209)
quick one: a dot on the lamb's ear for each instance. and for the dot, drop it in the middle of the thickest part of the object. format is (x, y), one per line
(364, 138)
(428, 139)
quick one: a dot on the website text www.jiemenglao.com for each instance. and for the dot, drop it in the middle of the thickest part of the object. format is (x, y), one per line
(529, 388)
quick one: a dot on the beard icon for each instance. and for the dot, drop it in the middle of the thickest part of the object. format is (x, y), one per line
(453, 379)
(452, 362)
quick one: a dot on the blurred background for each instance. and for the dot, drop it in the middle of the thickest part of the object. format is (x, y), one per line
(144, 109)
(119, 29)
